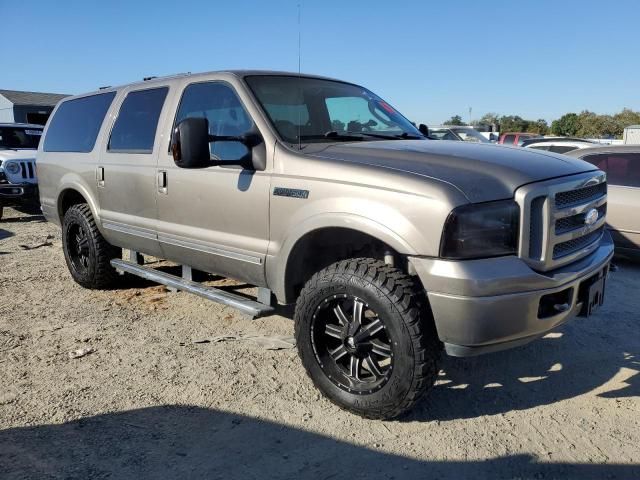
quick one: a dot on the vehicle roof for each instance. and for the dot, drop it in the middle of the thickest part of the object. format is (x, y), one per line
(557, 140)
(449, 127)
(604, 149)
(25, 125)
(203, 76)
(518, 133)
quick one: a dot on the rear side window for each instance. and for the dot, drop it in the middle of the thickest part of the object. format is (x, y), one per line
(622, 168)
(508, 139)
(75, 126)
(135, 128)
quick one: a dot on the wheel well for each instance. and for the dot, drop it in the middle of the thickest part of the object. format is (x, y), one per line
(320, 248)
(69, 198)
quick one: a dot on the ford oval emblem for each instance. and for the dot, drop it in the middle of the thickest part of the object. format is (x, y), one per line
(591, 217)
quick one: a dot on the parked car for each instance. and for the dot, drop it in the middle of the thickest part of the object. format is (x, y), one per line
(458, 133)
(515, 139)
(622, 164)
(557, 144)
(18, 182)
(319, 192)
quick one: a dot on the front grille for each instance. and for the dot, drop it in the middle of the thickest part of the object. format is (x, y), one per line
(581, 195)
(571, 246)
(567, 224)
(27, 170)
(554, 232)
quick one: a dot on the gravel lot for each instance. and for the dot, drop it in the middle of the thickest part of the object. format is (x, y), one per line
(151, 403)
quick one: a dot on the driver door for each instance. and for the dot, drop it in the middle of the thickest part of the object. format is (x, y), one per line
(216, 218)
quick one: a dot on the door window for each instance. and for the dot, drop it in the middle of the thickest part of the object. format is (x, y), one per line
(622, 168)
(509, 139)
(219, 104)
(135, 128)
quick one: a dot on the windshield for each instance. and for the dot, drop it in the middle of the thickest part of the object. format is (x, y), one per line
(470, 135)
(19, 137)
(442, 134)
(314, 110)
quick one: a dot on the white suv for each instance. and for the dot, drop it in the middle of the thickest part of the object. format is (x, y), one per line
(18, 181)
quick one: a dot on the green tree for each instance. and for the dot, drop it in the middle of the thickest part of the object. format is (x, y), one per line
(566, 125)
(455, 120)
(337, 126)
(487, 119)
(625, 118)
(513, 123)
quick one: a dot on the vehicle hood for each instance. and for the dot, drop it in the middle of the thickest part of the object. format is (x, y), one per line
(26, 154)
(483, 172)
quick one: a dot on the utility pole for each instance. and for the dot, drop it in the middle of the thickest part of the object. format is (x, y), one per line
(470, 109)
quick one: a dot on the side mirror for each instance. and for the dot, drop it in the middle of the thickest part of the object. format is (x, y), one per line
(190, 143)
(424, 130)
(190, 146)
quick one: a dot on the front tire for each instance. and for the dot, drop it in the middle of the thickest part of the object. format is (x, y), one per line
(365, 337)
(87, 253)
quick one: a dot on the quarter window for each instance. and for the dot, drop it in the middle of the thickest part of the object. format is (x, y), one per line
(76, 123)
(622, 168)
(135, 128)
(219, 104)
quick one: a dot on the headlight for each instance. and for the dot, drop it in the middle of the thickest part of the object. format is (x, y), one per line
(12, 167)
(481, 230)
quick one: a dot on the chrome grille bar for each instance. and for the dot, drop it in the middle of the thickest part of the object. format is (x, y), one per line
(553, 214)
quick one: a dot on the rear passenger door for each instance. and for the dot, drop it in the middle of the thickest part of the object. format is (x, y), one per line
(623, 202)
(126, 172)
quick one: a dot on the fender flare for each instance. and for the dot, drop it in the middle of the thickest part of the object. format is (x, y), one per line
(277, 262)
(73, 181)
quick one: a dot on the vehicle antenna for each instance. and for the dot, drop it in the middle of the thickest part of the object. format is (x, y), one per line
(299, 79)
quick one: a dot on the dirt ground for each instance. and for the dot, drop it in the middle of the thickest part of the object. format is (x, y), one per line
(149, 402)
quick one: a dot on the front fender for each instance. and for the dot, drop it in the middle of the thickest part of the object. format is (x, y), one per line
(276, 261)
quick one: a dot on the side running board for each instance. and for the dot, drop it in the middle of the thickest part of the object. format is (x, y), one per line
(245, 305)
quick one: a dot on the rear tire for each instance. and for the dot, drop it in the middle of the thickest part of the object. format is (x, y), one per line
(366, 338)
(87, 253)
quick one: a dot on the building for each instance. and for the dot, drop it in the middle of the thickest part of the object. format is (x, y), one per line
(27, 107)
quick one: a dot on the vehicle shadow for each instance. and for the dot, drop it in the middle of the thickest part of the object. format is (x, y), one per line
(5, 234)
(191, 442)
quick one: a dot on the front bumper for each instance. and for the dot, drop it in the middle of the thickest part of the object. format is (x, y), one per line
(14, 195)
(486, 305)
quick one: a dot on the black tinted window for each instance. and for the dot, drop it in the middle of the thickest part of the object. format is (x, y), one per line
(622, 168)
(135, 128)
(561, 148)
(76, 124)
(219, 104)
(19, 137)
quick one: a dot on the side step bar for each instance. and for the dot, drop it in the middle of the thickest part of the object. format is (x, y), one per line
(245, 305)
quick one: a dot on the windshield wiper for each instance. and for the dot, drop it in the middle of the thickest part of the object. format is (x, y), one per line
(402, 136)
(332, 136)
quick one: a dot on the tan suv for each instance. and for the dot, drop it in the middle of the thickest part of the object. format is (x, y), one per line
(622, 165)
(319, 192)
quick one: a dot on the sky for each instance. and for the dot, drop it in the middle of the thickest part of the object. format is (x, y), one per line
(430, 59)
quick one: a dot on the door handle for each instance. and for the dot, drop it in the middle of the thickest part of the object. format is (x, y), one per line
(100, 176)
(162, 181)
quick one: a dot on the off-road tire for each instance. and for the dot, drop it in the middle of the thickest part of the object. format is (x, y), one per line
(98, 272)
(394, 296)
